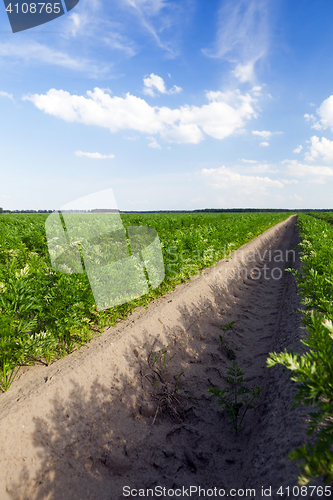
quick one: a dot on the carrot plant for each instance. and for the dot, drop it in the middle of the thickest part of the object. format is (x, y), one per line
(237, 398)
(313, 371)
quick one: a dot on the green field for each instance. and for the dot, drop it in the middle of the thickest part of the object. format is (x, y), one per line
(45, 314)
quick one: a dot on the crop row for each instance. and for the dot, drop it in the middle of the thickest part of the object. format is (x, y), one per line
(45, 314)
(313, 371)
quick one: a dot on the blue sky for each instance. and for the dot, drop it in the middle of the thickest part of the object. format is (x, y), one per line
(179, 104)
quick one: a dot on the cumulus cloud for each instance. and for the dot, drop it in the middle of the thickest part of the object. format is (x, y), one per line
(320, 149)
(225, 114)
(238, 22)
(298, 149)
(264, 144)
(325, 113)
(155, 82)
(226, 178)
(94, 156)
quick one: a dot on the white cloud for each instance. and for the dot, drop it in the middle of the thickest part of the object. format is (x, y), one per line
(315, 124)
(325, 113)
(226, 178)
(264, 144)
(265, 134)
(263, 168)
(320, 148)
(154, 144)
(156, 16)
(6, 94)
(175, 90)
(94, 156)
(257, 90)
(298, 149)
(309, 117)
(156, 82)
(225, 114)
(250, 161)
(34, 52)
(243, 35)
(300, 170)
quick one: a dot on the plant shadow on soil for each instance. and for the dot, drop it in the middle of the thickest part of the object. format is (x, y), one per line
(110, 434)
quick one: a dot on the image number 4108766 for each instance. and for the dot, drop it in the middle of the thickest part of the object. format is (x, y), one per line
(24, 15)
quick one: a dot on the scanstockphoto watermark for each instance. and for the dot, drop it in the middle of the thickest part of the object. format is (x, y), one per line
(267, 264)
(87, 236)
(187, 492)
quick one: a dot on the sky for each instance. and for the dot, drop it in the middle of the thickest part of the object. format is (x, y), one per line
(172, 104)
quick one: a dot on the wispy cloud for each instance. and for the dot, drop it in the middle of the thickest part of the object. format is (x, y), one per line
(225, 114)
(156, 16)
(242, 35)
(92, 26)
(94, 156)
(39, 54)
(6, 94)
(298, 149)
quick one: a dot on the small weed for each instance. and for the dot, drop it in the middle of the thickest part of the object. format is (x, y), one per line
(166, 396)
(177, 384)
(228, 326)
(161, 371)
(237, 399)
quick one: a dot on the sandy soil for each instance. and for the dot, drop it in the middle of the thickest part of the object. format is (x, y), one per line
(102, 418)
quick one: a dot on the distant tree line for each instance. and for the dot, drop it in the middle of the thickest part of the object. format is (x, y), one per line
(2, 211)
(204, 210)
